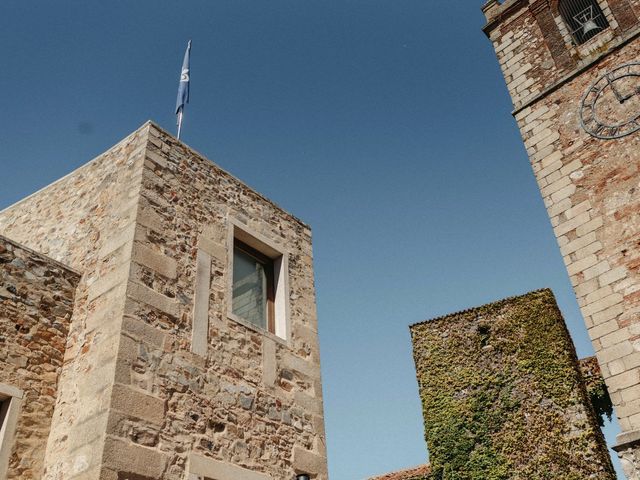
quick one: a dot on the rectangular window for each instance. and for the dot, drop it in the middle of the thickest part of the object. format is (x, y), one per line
(257, 282)
(253, 286)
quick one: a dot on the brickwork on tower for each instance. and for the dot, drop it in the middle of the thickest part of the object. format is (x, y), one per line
(161, 380)
(590, 185)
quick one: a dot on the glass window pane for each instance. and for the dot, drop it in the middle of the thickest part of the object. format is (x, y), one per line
(249, 289)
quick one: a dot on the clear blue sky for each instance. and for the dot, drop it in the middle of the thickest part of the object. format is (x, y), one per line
(384, 124)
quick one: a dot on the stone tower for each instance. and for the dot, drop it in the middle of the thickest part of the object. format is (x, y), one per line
(503, 396)
(192, 349)
(571, 67)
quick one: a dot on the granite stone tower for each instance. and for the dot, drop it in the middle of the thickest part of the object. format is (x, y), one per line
(190, 348)
(572, 68)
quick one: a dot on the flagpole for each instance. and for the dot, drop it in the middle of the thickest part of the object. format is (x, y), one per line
(179, 123)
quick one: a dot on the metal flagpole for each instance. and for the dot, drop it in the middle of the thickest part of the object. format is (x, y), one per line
(179, 123)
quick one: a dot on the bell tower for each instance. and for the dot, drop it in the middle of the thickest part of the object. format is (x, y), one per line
(572, 68)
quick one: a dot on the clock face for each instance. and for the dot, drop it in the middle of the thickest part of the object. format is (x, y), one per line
(611, 106)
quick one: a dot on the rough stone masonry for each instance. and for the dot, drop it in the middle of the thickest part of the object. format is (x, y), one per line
(36, 303)
(590, 185)
(159, 380)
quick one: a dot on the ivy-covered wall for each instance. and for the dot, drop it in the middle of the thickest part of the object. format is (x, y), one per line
(502, 395)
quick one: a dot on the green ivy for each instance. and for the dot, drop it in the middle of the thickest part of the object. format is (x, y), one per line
(502, 395)
(596, 389)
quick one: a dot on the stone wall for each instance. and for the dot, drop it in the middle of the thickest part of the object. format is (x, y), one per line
(85, 220)
(590, 190)
(249, 398)
(524, 58)
(160, 381)
(36, 303)
(502, 395)
(535, 49)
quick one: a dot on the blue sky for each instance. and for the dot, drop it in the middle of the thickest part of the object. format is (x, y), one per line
(385, 125)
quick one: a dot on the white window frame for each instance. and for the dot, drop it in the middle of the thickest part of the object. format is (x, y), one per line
(280, 258)
(11, 398)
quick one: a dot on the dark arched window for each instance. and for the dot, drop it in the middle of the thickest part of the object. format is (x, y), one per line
(584, 18)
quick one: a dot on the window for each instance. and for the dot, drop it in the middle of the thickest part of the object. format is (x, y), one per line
(258, 283)
(4, 411)
(253, 286)
(10, 400)
(584, 18)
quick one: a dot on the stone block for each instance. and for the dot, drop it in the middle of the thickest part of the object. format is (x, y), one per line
(571, 224)
(581, 265)
(269, 364)
(214, 469)
(607, 314)
(603, 329)
(308, 462)
(213, 248)
(628, 408)
(156, 158)
(149, 218)
(631, 394)
(121, 456)
(614, 337)
(597, 270)
(594, 247)
(294, 362)
(307, 402)
(598, 294)
(585, 288)
(138, 404)
(143, 331)
(611, 276)
(616, 367)
(591, 226)
(563, 193)
(623, 380)
(632, 361)
(143, 294)
(602, 304)
(156, 261)
(89, 432)
(113, 279)
(556, 186)
(116, 240)
(202, 291)
(614, 352)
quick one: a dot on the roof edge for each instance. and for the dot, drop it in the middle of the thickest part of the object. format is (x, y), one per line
(80, 168)
(41, 255)
(406, 474)
(480, 307)
(226, 172)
